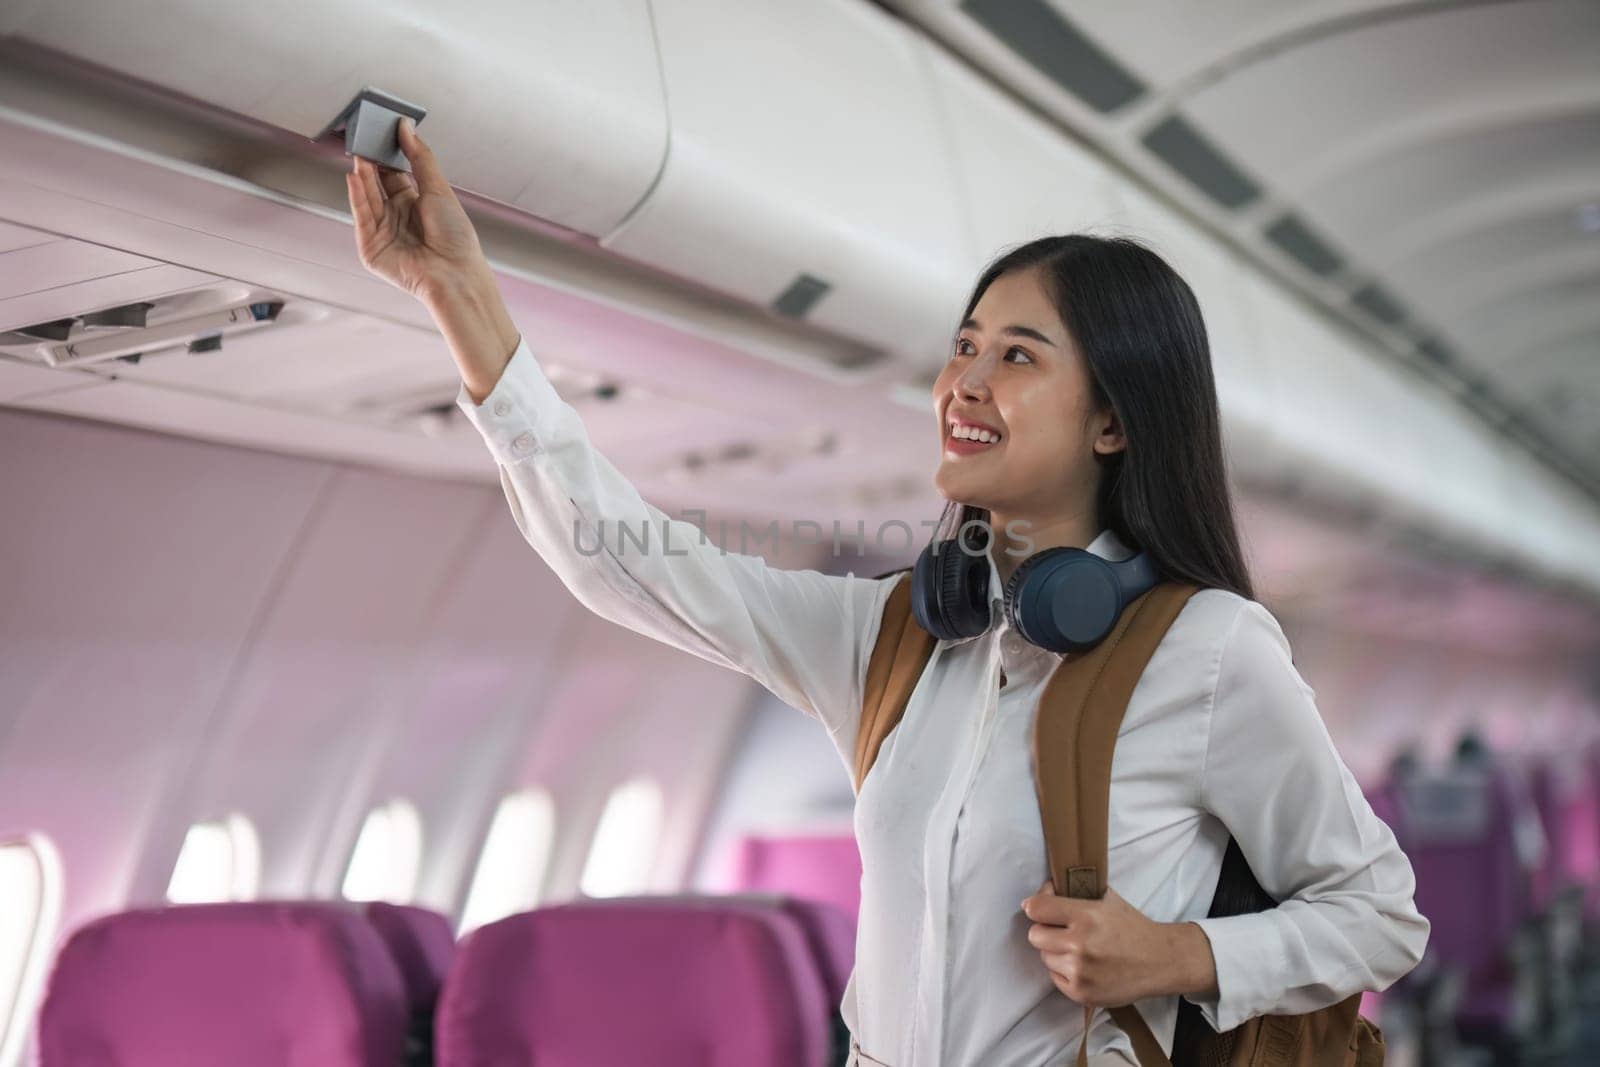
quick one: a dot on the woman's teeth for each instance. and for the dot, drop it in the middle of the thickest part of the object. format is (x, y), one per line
(972, 433)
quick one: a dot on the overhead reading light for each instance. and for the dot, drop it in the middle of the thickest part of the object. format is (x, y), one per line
(55, 330)
(126, 315)
(197, 333)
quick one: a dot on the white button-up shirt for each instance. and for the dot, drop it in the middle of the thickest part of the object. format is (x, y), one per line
(1221, 734)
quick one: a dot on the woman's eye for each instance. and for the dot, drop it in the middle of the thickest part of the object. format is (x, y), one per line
(963, 345)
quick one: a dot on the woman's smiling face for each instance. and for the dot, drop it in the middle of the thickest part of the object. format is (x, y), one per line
(1014, 406)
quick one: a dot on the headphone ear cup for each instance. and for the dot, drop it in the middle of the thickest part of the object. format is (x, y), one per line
(1021, 621)
(1064, 599)
(1014, 585)
(950, 598)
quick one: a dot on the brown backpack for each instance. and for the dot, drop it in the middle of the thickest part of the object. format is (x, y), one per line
(1075, 731)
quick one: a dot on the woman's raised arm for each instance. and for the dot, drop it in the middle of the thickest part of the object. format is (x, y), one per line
(802, 634)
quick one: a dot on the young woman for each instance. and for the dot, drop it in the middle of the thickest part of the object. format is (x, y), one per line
(1077, 408)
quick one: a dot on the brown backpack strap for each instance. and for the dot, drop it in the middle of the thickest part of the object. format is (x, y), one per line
(902, 650)
(1075, 735)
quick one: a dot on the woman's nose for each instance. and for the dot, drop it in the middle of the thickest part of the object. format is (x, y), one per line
(974, 381)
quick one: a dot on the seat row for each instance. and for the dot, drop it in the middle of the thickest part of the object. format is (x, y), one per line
(672, 980)
(1507, 862)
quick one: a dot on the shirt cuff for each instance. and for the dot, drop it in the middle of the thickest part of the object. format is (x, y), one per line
(521, 405)
(1247, 950)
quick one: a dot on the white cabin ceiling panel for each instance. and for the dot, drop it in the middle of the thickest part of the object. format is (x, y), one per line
(1166, 42)
(1459, 271)
(1242, 366)
(804, 143)
(554, 108)
(1020, 179)
(1418, 76)
(18, 379)
(1407, 164)
(35, 268)
(13, 237)
(1452, 112)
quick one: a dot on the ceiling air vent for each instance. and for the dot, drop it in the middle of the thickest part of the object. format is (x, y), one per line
(1372, 299)
(1189, 153)
(195, 321)
(801, 296)
(1033, 30)
(1296, 239)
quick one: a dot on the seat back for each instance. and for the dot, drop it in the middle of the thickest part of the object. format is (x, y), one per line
(825, 867)
(607, 983)
(1461, 838)
(422, 944)
(246, 984)
(1568, 798)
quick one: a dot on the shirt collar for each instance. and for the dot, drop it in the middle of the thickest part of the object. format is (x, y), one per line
(1107, 546)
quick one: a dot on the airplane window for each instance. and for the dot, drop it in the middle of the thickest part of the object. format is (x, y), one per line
(624, 847)
(387, 856)
(30, 885)
(219, 860)
(511, 868)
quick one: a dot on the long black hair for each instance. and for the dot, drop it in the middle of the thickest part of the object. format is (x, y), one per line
(1138, 326)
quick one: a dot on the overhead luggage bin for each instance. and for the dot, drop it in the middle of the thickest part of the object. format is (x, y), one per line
(808, 171)
(555, 109)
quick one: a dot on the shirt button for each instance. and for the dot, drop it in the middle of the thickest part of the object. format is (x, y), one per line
(522, 444)
(502, 407)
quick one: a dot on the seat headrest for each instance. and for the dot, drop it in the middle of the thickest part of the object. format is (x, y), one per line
(246, 984)
(672, 983)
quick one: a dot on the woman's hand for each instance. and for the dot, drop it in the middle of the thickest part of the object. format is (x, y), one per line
(1105, 953)
(411, 231)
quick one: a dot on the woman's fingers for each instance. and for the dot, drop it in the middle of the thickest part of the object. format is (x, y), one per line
(430, 179)
(369, 187)
(358, 199)
(394, 182)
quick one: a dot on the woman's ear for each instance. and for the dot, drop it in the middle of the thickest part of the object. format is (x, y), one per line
(1109, 438)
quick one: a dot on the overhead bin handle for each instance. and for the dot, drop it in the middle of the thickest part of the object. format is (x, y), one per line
(371, 125)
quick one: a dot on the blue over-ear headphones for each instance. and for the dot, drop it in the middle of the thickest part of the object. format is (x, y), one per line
(1061, 599)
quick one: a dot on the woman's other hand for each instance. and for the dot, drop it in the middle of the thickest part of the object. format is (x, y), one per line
(411, 231)
(1106, 953)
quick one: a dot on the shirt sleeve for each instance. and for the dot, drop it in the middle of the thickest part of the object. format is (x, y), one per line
(1346, 919)
(802, 634)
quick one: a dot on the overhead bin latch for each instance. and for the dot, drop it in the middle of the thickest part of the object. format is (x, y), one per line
(371, 125)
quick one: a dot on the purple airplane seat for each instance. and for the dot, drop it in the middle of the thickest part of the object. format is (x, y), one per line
(608, 983)
(1565, 789)
(829, 933)
(422, 944)
(825, 867)
(1471, 884)
(832, 937)
(1583, 832)
(1547, 790)
(259, 984)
